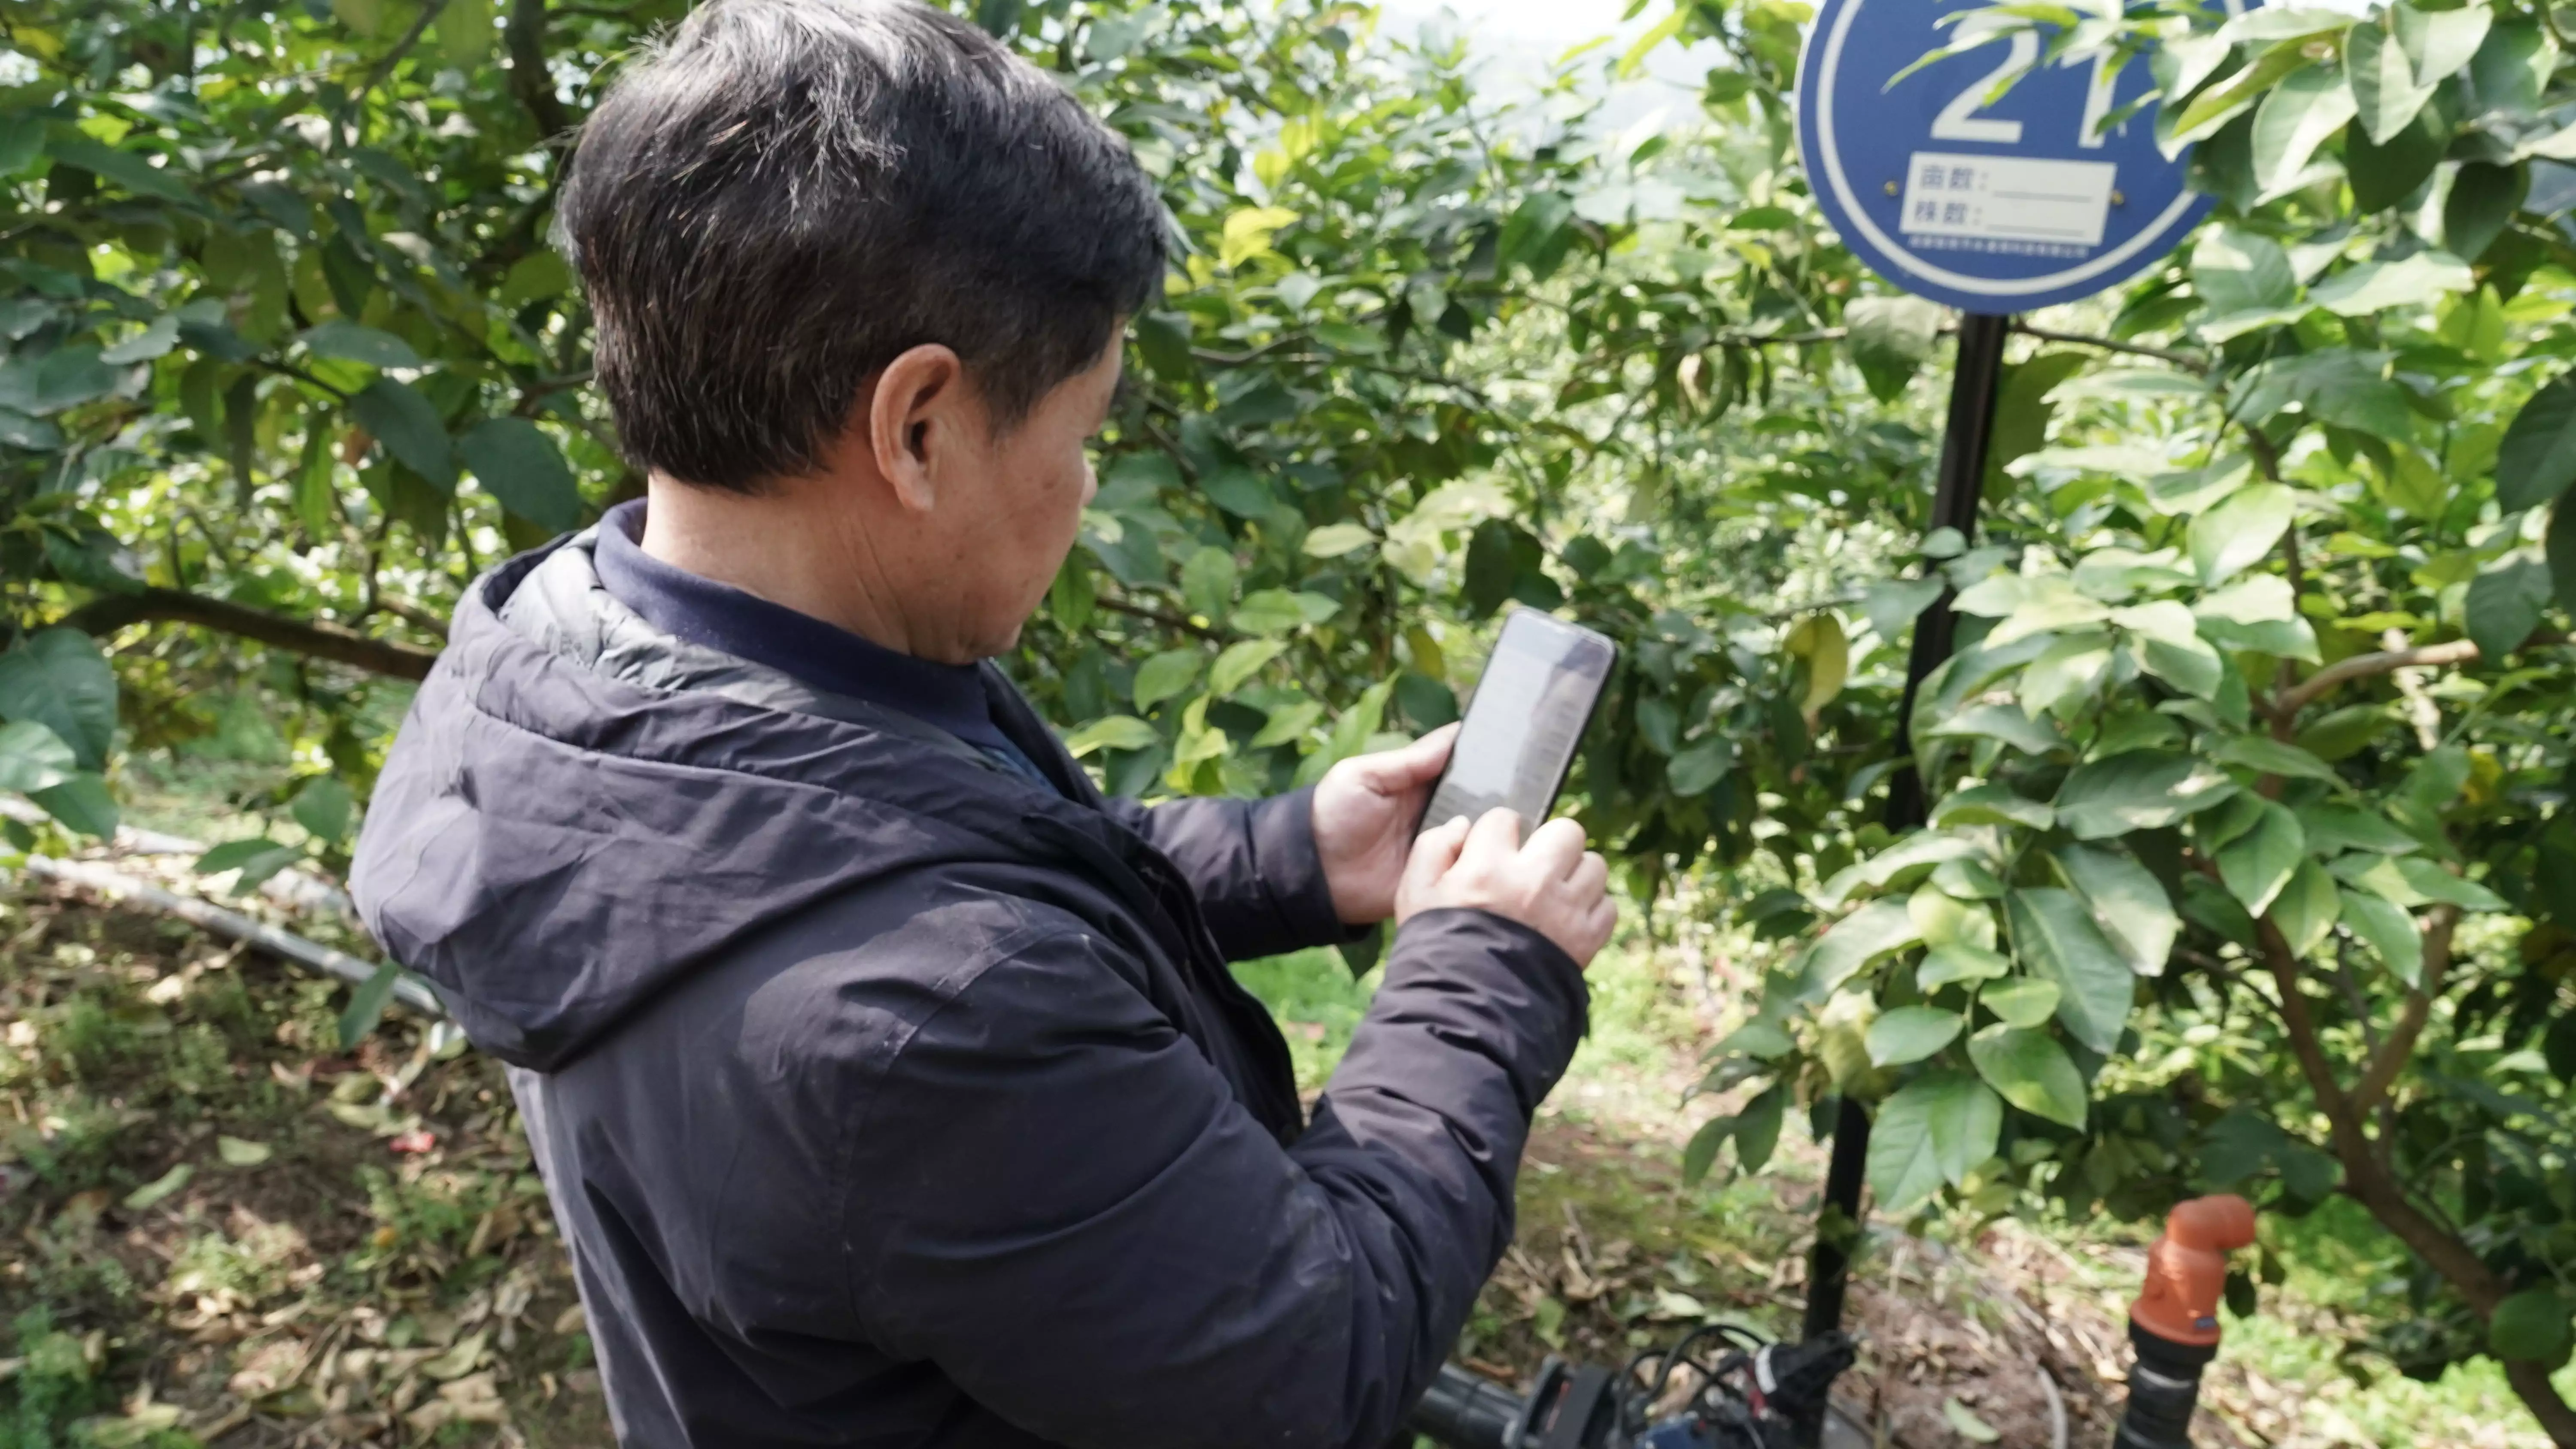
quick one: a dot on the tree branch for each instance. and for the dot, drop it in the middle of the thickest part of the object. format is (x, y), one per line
(2390, 1057)
(314, 638)
(376, 74)
(525, 38)
(2369, 1182)
(2184, 360)
(2363, 666)
(1158, 616)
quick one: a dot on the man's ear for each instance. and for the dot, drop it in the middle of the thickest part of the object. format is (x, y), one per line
(917, 412)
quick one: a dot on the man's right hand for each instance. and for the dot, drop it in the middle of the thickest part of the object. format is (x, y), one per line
(1548, 883)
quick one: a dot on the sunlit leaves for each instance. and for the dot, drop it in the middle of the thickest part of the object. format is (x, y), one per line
(33, 757)
(57, 678)
(2127, 901)
(2240, 531)
(2031, 1070)
(1935, 1130)
(2059, 940)
(2137, 790)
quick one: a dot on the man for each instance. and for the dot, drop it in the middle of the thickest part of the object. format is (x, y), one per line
(889, 1084)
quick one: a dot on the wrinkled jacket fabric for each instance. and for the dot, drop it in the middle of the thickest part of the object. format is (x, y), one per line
(885, 1098)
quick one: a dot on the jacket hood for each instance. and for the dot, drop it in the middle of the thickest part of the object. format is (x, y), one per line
(553, 842)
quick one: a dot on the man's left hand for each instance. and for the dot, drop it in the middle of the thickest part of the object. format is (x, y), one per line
(1365, 811)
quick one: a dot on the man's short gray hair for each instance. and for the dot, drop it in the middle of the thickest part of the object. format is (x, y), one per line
(786, 195)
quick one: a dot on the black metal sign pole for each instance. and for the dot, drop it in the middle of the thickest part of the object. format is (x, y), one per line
(1971, 428)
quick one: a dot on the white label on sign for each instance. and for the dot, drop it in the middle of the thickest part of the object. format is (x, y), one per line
(2040, 206)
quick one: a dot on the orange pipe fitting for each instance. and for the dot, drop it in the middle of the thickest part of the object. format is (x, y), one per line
(2187, 1269)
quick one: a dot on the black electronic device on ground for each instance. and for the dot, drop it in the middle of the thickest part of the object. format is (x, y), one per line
(1525, 721)
(1719, 1388)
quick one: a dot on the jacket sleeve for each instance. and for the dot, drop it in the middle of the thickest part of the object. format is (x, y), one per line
(1055, 1198)
(1252, 864)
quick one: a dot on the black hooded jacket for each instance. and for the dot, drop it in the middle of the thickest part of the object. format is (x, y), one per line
(887, 1099)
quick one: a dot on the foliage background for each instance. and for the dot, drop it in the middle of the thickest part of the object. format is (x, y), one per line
(2250, 847)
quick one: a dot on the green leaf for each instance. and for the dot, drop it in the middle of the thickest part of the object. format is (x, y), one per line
(2127, 902)
(1696, 770)
(1336, 539)
(1964, 1422)
(2266, 756)
(128, 169)
(2387, 930)
(256, 859)
(1167, 674)
(1757, 1130)
(1277, 611)
(1240, 662)
(2258, 613)
(2418, 281)
(1701, 1154)
(2241, 530)
(400, 418)
(2301, 114)
(2258, 864)
(519, 465)
(58, 678)
(367, 1005)
(2055, 936)
(1238, 490)
(1908, 1034)
(1992, 805)
(1959, 961)
(2032, 1072)
(1936, 1129)
(1208, 581)
(2023, 1002)
(2482, 202)
(241, 1152)
(2343, 733)
(1111, 732)
(153, 341)
(2505, 604)
(1853, 942)
(2533, 1325)
(2004, 722)
(159, 1188)
(2538, 457)
(2307, 908)
(2385, 93)
(1891, 338)
(33, 757)
(323, 807)
(354, 342)
(2439, 42)
(2384, 175)
(2433, 883)
(2137, 790)
(2562, 554)
(81, 803)
(2242, 271)
(2333, 828)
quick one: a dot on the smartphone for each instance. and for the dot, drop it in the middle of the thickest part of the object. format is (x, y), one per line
(1524, 721)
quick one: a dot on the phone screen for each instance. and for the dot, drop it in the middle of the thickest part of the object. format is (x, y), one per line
(1524, 721)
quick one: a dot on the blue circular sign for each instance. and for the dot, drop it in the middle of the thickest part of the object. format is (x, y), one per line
(1992, 208)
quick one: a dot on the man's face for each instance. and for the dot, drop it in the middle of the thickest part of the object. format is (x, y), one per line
(1034, 481)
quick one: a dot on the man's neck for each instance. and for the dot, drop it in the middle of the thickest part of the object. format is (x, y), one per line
(787, 547)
